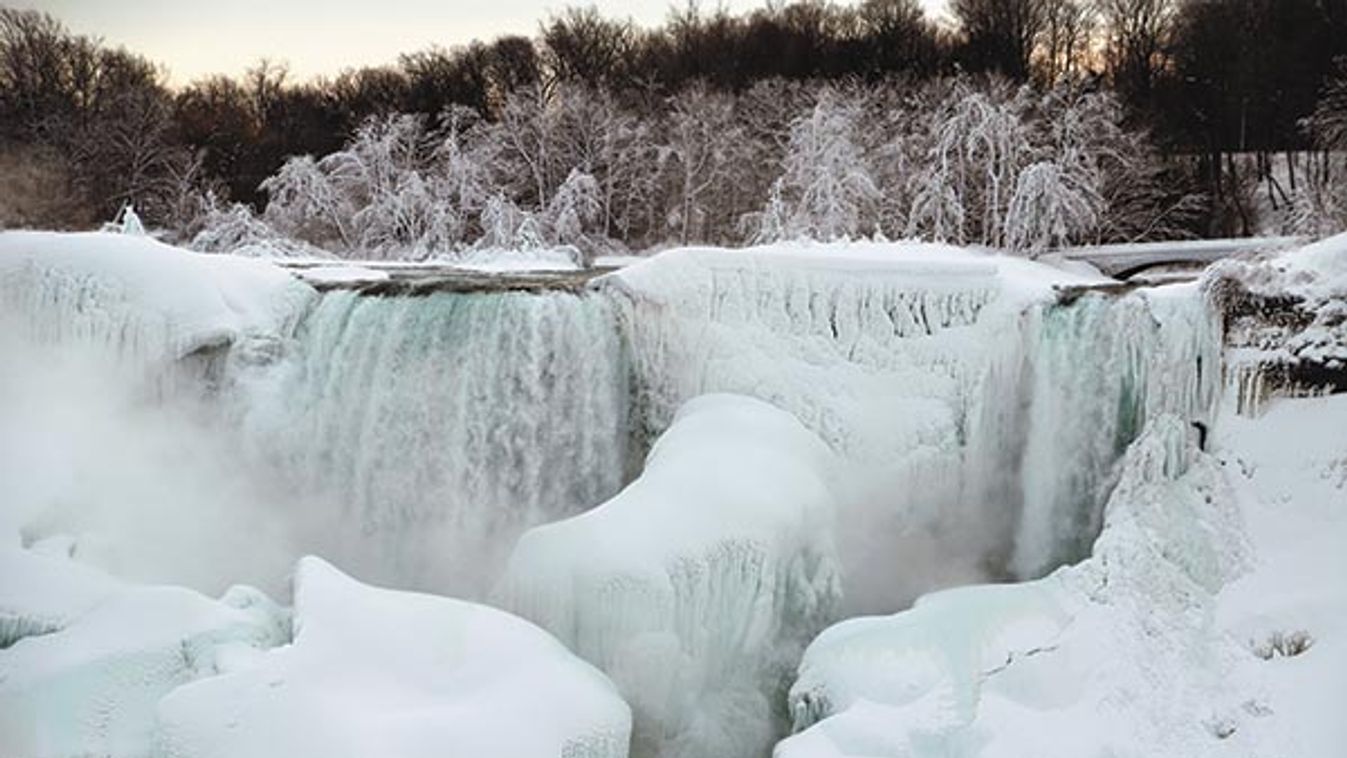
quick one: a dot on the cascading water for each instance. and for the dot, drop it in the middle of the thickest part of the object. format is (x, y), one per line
(978, 422)
(981, 427)
(435, 429)
(1103, 366)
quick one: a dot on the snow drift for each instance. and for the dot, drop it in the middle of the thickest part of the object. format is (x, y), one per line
(378, 672)
(93, 656)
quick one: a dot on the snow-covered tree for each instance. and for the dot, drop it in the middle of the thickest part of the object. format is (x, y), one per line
(825, 191)
(1050, 207)
(937, 212)
(397, 189)
(306, 204)
(702, 143)
(977, 142)
(235, 230)
(574, 209)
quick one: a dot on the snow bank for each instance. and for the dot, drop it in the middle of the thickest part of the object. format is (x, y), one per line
(696, 586)
(377, 672)
(95, 656)
(139, 297)
(1289, 614)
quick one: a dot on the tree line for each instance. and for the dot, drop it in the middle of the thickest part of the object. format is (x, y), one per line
(633, 124)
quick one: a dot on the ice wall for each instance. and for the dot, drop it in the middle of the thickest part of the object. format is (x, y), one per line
(1116, 655)
(1101, 367)
(981, 414)
(433, 430)
(142, 304)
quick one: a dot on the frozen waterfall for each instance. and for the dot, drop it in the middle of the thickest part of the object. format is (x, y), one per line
(437, 428)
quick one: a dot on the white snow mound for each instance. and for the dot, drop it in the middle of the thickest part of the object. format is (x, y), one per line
(375, 672)
(695, 586)
(88, 683)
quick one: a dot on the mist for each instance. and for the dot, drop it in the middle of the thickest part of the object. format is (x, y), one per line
(149, 488)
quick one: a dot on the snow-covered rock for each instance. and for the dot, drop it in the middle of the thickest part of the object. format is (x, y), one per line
(140, 298)
(374, 672)
(1286, 322)
(96, 656)
(696, 586)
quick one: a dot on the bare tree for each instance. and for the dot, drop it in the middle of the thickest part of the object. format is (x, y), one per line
(1064, 44)
(1000, 35)
(1136, 37)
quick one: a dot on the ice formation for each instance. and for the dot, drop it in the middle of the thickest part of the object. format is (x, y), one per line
(142, 301)
(93, 657)
(981, 418)
(436, 429)
(378, 672)
(1204, 622)
(943, 415)
(1113, 656)
(697, 585)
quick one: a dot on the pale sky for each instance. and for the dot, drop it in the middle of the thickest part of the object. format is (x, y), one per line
(195, 37)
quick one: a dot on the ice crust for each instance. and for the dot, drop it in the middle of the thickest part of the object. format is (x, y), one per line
(977, 416)
(374, 672)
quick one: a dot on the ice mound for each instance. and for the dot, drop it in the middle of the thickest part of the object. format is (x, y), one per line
(696, 586)
(1115, 656)
(375, 672)
(138, 297)
(96, 656)
(40, 594)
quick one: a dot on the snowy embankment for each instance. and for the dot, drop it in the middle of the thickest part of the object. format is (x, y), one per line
(1208, 620)
(696, 587)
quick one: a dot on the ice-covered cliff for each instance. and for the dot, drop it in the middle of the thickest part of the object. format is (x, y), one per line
(980, 413)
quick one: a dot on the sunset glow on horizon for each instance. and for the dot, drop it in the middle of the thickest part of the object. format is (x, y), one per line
(317, 37)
